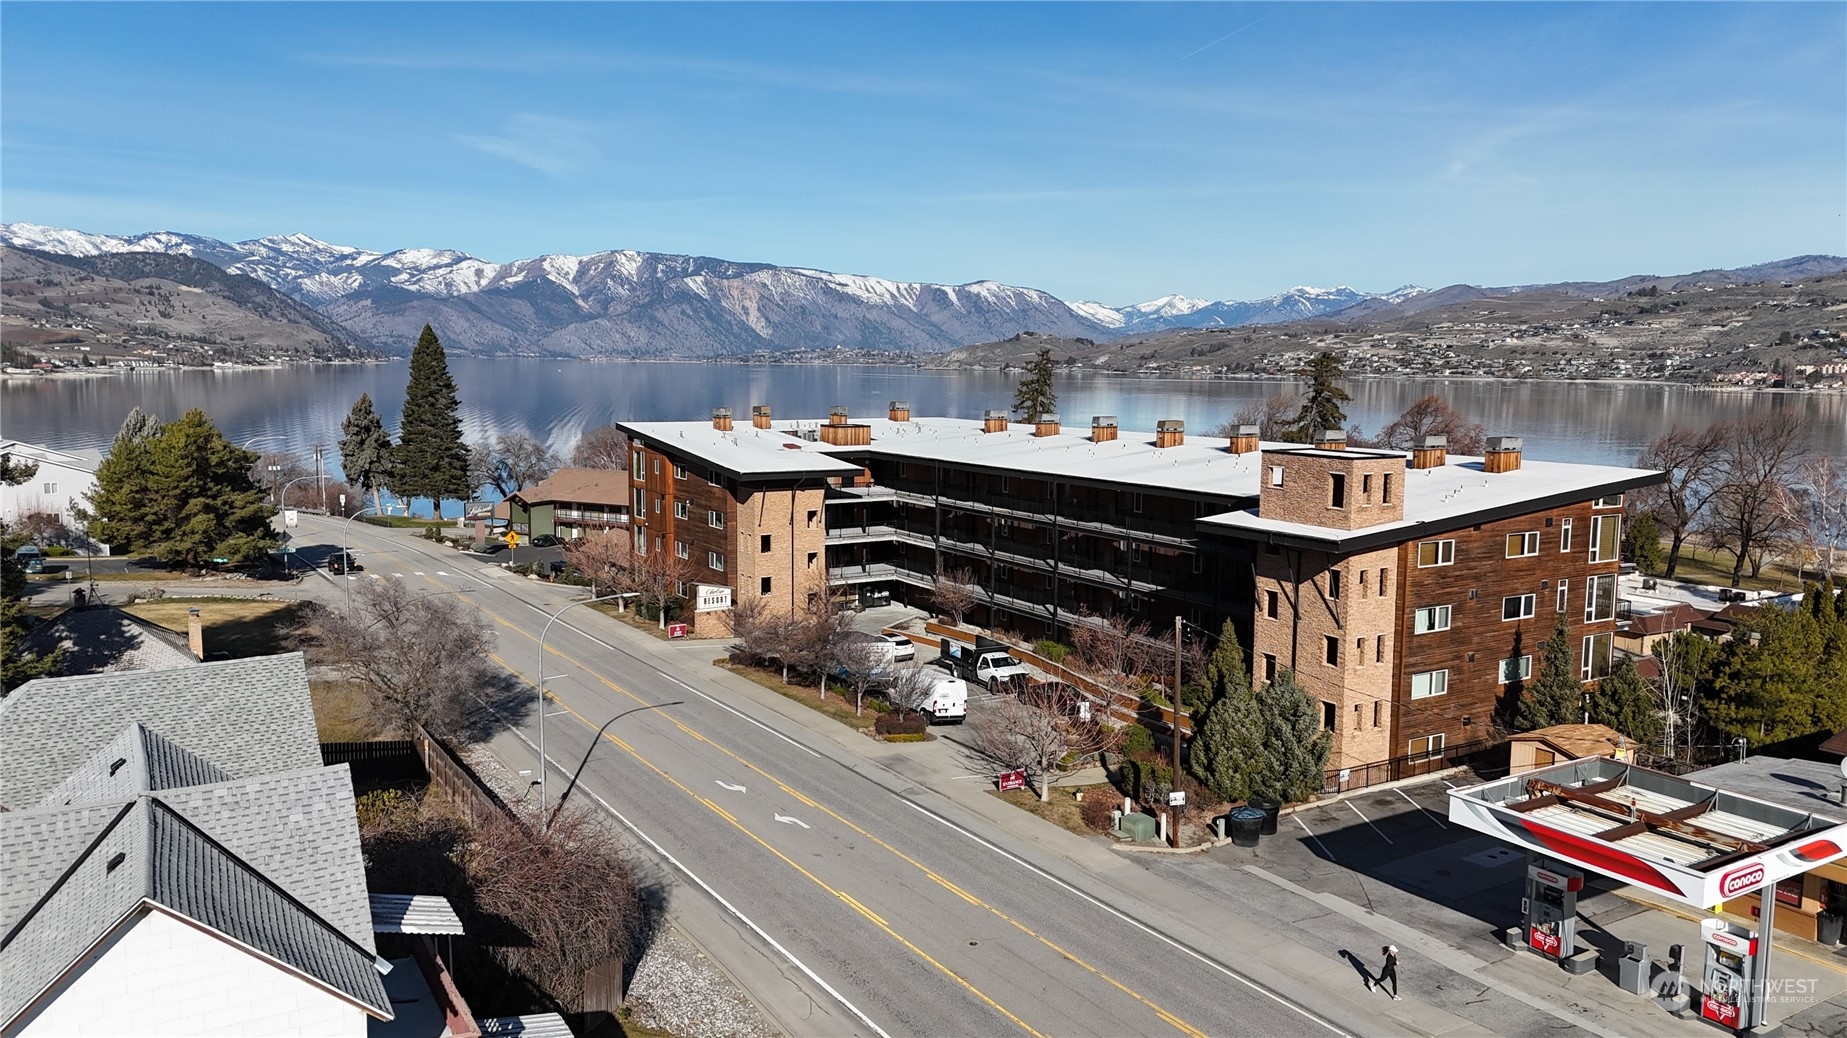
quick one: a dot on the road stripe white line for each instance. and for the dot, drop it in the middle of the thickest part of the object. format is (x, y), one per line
(1132, 921)
(1422, 808)
(1317, 839)
(1367, 820)
(715, 895)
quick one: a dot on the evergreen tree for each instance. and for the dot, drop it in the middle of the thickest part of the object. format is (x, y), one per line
(1227, 747)
(1556, 694)
(1321, 402)
(185, 495)
(118, 512)
(365, 450)
(430, 460)
(1626, 703)
(1035, 396)
(1296, 746)
(15, 667)
(1783, 675)
(1642, 543)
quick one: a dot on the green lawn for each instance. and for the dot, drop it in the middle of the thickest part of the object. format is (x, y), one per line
(1062, 808)
(407, 522)
(833, 706)
(1710, 566)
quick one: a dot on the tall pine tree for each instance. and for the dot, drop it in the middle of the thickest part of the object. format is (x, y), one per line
(118, 512)
(1227, 748)
(184, 494)
(430, 459)
(16, 668)
(1556, 694)
(365, 450)
(1296, 746)
(1626, 703)
(1035, 395)
(1321, 403)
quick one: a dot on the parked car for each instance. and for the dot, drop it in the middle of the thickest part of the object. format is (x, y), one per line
(546, 540)
(343, 562)
(902, 649)
(31, 558)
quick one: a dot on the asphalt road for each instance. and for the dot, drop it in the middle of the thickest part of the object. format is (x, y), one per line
(891, 909)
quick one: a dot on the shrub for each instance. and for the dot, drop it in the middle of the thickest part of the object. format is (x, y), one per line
(1138, 741)
(891, 724)
(1096, 810)
(907, 737)
(1051, 650)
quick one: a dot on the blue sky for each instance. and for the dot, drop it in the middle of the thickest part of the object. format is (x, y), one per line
(1113, 152)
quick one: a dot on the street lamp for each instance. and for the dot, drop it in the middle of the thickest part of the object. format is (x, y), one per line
(258, 439)
(282, 496)
(544, 821)
(345, 558)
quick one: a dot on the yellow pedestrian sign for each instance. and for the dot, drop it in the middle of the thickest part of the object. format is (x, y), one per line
(512, 539)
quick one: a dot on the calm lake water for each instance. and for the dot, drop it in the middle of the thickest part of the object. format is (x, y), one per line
(557, 400)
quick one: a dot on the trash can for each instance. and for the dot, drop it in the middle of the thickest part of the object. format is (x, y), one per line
(1828, 927)
(1246, 826)
(1632, 970)
(1270, 806)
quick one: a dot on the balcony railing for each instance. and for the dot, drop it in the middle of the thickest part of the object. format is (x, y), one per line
(590, 515)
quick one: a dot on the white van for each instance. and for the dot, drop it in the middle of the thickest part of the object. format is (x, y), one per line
(948, 702)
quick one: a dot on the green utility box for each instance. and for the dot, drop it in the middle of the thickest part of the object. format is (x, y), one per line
(1138, 826)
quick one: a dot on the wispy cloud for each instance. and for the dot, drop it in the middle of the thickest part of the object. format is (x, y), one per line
(553, 146)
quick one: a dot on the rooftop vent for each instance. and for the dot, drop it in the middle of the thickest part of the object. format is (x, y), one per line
(837, 416)
(993, 421)
(900, 411)
(1103, 428)
(1046, 425)
(760, 416)
(1244, 439)
(721, 419)
(1169, 432)
(1503, 454)
(115, 861)
(1331, 439)
(1430, 451)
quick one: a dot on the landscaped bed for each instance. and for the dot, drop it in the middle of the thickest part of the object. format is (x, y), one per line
(833, 706)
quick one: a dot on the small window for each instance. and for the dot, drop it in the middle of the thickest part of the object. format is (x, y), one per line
(1269, 666)
(1327, 715)
(1435, 553)
(657, 504)
(1520, 545)
(1613, 501)
(812, 557)
(1358, 719)
(1366, 487)
(51, 488)
(1337, 490)
(1362, 583)
(1378, 649)
(1597, 656)
(1330, 650)
(1431, 618)
(1429, 683)
(1276, 475)
(1359, 650)
(813, 517)
(763, 586)
(1378, 712)
(1270, 599)
(1517, 607)
(1563, 587)
(679, 588)
(640, 465)
(715, 561)
(1385, 489)
(1383, 581)
(680, 550)
(679, 471)
(1564, 535)
(641, 541)
(1605, 537)
(1428, 746)
(1333, 583)
(763, 543)
(657, 466)
(682, 509)
(715, 519)
(1519, 668)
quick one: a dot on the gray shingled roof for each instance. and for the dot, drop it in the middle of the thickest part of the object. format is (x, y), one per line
(104, 639)
(248, 717)
(149, 855)
(136, 761)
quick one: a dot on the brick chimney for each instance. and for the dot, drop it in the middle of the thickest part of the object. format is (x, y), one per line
(1430, 452)
(760, 416)
(993, 421)
(1331, 439)
(195, 633)
(1503, 454)
(1046, 425)
(900, 411)
(721, 419)
(837, 416)
(1244, 439)
(1103, 428)
(1169, 432)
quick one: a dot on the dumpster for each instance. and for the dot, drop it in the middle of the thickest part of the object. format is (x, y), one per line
(1246, 826)
(1270, 806)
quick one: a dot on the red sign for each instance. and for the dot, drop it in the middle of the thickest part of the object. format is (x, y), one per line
(1545, 943)
(1012, 780)
(1740, 880)
(1724, 1014)
(677, 630)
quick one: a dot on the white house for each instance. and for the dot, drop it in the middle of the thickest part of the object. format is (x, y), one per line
(63, 478)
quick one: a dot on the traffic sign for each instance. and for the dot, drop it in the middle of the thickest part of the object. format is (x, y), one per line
(512, 539)
(1176, 798)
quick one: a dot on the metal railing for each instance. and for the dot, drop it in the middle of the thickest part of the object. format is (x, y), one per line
(1412, 765)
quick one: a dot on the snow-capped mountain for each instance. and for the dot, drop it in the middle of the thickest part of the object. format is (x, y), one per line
(1294, 305)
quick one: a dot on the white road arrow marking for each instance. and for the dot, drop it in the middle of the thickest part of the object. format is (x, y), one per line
(793, 821)
(732, 788)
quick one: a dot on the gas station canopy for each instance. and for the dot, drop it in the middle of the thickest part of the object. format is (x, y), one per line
(1695, 843)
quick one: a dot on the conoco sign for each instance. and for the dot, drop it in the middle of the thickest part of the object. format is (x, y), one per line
(1738, 881)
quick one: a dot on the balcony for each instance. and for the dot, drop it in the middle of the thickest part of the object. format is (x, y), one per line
(590, 515)
(861, 534)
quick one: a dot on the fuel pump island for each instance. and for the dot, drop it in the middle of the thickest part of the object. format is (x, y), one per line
(1690, 842)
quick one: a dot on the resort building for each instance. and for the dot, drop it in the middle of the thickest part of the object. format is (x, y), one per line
(1408, 592)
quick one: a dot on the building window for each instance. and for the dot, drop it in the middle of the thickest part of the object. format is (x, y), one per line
(1600, 598)
(679, 471)
(641, 541)
(1519, 668)
(1358, 722)
(1330, 650)
(763, 543)
(1378, 649)
(1564, 535)
(715, 519)
(1327, 715)
(1563, 587)
(641, 501)
(657, 504)
(1333, 583)
(715, 561)
(1427, 747)
(1385, 489)
(1276, 475)
(813, 517)
(1429, 683)
(1435, 553)
(763, 586)
(640, 466)
(1605, 537)
(1269, 666)
(1430, 618)
(1520, 545)
(679, 588)
(1383, 581)
(657, 466)
(1362, 583)
(680, 550)
(682, 509)
(1518, 607)
(1337, 490)
(1597, 656)
(812, 556)
(1613, 501)
(1378, 710)
(1366, 488)
(51, 488)
(1269, 604)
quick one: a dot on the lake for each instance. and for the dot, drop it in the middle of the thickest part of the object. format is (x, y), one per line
(557, 400)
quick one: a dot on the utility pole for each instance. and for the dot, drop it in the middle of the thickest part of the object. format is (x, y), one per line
(1173, 811)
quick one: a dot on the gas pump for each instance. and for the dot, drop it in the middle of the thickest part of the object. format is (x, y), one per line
(1551, 908)
(1727, 997)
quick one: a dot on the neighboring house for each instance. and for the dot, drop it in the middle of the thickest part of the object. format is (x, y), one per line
(1544, 747)
(64, 478)
(101, 639)
(1719, 625)
(178, 860)
(571, 502)
(1642, 630)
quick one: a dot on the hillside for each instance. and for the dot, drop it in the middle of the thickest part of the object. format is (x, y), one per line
(159, 308)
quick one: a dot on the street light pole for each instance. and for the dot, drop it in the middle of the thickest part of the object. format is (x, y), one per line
(1173, 812)
(283, 494)
(345, 557)
(544, 820)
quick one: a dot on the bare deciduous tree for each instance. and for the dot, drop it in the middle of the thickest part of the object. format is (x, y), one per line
(420, 659)
(1272, 416)
(862, 663)
(1750, 508)
(814, 631)
(657, 578)
(603, 558)
(1690, 460)
(1432, 415)
(1034, 732)
(605, 447)
(764, 633)
(1119, 655)
(912, 688)
(1819, 499)
(955, 592)
(514, 460)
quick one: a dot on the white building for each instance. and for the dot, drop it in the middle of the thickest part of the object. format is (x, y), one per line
(63, 478)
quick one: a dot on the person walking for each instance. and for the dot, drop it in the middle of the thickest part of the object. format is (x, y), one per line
(1388, 971)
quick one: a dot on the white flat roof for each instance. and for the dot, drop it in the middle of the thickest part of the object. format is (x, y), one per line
(745, 451)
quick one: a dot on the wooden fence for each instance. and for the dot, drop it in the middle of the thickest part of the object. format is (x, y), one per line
(457, 781)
